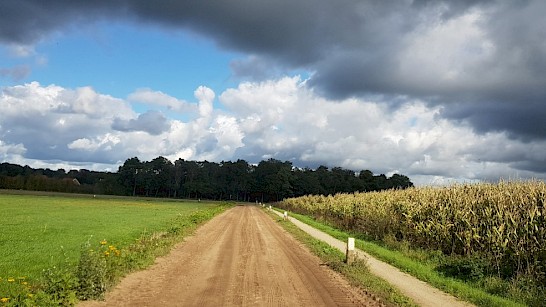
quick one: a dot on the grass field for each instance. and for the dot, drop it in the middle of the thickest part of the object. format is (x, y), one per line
(36, 230)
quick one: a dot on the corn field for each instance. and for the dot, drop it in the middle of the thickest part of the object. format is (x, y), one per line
(503, 223)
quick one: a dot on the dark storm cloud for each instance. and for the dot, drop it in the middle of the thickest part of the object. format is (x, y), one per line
(354, 48)
(26, 22)
(523, 119)
(298, 32)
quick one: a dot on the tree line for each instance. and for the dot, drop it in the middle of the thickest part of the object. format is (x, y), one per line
(269, 180)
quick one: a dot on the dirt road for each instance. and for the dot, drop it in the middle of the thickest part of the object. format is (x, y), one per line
(240, 258)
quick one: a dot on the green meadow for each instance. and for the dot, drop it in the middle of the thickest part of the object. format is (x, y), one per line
(38, 232)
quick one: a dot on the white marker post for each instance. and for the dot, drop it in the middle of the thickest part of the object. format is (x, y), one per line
(350, 255)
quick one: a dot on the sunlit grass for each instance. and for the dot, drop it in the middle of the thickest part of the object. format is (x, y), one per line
(34, 229)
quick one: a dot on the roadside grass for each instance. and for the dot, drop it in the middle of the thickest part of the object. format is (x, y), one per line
(420, 264)
(50, 245)
(357, 273)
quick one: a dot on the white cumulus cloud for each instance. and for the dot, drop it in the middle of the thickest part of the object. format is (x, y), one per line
(282, 118)
(158, 98)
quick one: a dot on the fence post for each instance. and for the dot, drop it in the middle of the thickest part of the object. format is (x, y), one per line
(350, 254)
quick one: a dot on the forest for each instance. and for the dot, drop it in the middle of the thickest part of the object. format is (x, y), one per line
(269, 180)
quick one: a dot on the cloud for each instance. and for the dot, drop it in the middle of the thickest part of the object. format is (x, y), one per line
(21, 51)
(44, 119)
(227, 133)
(205, 96)
(256, 68)
(105, 142)
(16, 73)
(157, 98)
(285, 119)
(152, 122)
(482, 61)
(7, 151)
(25, 22)
(282, 118)
(81, 127)
(438, 90)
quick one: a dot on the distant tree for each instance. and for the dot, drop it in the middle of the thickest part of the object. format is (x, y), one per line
(130, 175)
(398, 181)
(159, 177)
(191, 175)
(272, 179)
(242, 175)
(11, 170)
(305, 182)
(207, 178)
(327, 182)
(367, 181)
(233, 180)
(179, 177)
(381, 182)
(344, 180)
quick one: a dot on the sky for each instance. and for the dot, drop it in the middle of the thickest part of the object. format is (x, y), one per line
(440, 91)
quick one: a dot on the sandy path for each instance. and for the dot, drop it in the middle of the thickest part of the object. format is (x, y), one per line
(240, 258)
(421, 292)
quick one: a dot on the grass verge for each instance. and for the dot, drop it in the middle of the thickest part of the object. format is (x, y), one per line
(421, 270)
(357, 273)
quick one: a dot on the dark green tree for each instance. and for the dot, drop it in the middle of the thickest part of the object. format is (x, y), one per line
(305, 182)
(272, 179)
(159, 177)
(397, 181)
(130, 175)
